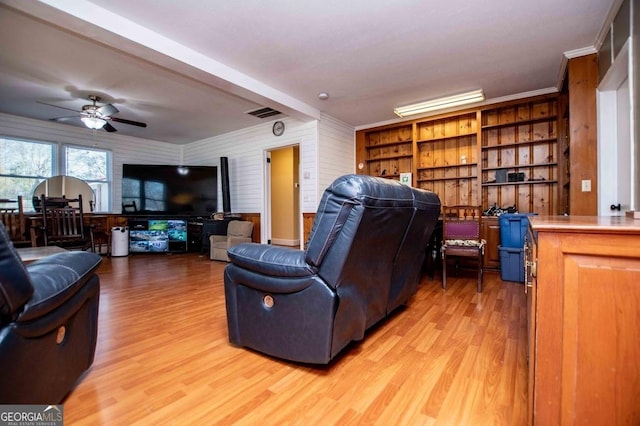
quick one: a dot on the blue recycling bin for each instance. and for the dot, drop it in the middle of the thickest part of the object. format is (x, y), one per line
(511, 264)
(513, 228)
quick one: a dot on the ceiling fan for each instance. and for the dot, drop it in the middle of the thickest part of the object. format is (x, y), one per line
(96, 117)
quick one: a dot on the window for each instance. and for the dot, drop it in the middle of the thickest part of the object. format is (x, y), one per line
(24, 164)
(94, 167)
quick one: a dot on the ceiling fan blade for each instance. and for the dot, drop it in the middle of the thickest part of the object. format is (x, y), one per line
(133, 123)
(57, 106)
(69, 118)
(107, 110)
(109, 128)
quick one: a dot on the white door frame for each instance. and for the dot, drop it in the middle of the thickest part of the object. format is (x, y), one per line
(615, 138)
(266, 226)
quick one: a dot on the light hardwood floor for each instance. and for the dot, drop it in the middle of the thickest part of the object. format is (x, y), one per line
(451, 357)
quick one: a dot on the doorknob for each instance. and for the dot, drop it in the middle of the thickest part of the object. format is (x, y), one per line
(615, 206)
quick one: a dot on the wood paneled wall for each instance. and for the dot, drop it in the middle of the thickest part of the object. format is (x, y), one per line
(255, 218)
(583, 80)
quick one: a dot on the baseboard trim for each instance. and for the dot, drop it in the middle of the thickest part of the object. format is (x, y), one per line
(284, 242)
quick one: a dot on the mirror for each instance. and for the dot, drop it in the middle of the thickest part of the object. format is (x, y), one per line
(58, 186)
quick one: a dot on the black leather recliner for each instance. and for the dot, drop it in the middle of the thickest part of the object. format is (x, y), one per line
(48, 323)
(363, 260)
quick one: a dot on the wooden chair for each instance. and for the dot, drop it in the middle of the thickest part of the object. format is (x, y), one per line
(13, 219)
(63, 223)
(101, 235)
(129, 208)
(461, 226)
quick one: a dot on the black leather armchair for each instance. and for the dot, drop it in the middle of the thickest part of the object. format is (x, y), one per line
(48, 323)
(363, 260)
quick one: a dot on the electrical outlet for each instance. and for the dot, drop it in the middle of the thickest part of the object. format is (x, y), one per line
(586, 185)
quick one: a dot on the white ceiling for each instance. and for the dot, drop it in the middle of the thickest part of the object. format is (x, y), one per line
(191, 69)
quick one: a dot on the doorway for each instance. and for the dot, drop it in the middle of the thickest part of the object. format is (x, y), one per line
(615, 139)
(283, 196)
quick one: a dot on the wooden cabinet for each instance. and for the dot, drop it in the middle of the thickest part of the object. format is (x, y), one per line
(490, 232)
(519, 156)
(530, 289)
(584, 320)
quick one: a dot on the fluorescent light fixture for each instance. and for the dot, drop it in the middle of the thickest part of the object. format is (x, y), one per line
(441, 103)
(93, 122)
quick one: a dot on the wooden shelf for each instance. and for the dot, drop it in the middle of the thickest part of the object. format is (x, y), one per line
(392, 157)
(420, 169)
(548, 118)
(512, 144)
(520, 166)
(523, 182)
(445, 138)
(446, 178)
(389, 176)
(387, 144)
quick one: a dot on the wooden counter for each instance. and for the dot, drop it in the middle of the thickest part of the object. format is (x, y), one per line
(583, 282)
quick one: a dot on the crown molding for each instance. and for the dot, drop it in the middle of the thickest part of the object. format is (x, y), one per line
(576, 53)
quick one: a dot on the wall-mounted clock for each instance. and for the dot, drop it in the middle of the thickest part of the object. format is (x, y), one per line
(278, 128)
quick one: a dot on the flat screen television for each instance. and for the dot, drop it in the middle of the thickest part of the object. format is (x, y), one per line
(170, 190)
(158, 236)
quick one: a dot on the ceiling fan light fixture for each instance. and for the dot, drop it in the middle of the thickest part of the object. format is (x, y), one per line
(94, 122)
(440, 103)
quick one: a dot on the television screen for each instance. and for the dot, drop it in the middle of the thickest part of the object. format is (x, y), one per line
(177, 230)
(170, 190)
(158, 236)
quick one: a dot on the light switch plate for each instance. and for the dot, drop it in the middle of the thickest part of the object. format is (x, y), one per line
(586, 185)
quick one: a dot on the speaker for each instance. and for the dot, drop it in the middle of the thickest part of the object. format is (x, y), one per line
(226, 194)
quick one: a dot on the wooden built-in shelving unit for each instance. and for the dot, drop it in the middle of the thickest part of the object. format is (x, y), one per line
(447, 157)
(519, 155)
(547, 145)
(389, 152)
(505, 154)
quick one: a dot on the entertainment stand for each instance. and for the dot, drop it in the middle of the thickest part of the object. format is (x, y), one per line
(174, 234)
